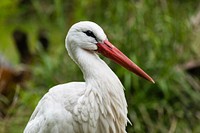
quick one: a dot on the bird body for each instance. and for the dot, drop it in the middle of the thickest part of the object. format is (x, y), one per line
(70, 107)
(97, 105)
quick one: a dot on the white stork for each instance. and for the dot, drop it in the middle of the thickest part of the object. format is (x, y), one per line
(97, 105)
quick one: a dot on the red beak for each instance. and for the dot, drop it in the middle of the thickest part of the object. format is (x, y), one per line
(110, 51)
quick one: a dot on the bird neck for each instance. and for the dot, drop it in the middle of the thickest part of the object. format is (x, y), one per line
(96, 70)
(99, 78)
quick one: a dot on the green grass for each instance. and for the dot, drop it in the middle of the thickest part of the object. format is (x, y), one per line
(156, 35)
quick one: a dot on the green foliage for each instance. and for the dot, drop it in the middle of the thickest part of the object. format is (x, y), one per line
(156, 35)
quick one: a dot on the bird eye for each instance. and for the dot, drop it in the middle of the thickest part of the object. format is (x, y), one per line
(90, 33)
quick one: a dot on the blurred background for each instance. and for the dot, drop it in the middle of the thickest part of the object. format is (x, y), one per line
(161, 36)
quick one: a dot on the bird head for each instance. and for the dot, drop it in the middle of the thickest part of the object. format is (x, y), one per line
(91, 37)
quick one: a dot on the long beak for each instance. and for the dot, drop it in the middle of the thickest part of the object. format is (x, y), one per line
(110, 51)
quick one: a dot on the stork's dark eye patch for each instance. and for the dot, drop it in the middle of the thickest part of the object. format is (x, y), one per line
(90, 33)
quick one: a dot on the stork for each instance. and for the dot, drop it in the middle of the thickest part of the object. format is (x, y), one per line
(97, 105)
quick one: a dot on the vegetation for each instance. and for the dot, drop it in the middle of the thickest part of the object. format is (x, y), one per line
(157, 35)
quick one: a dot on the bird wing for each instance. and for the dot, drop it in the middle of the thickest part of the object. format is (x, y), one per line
(65, 108)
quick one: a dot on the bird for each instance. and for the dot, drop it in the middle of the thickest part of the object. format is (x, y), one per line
(97, 105)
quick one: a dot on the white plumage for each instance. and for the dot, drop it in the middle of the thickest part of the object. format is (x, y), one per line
(97, 105)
